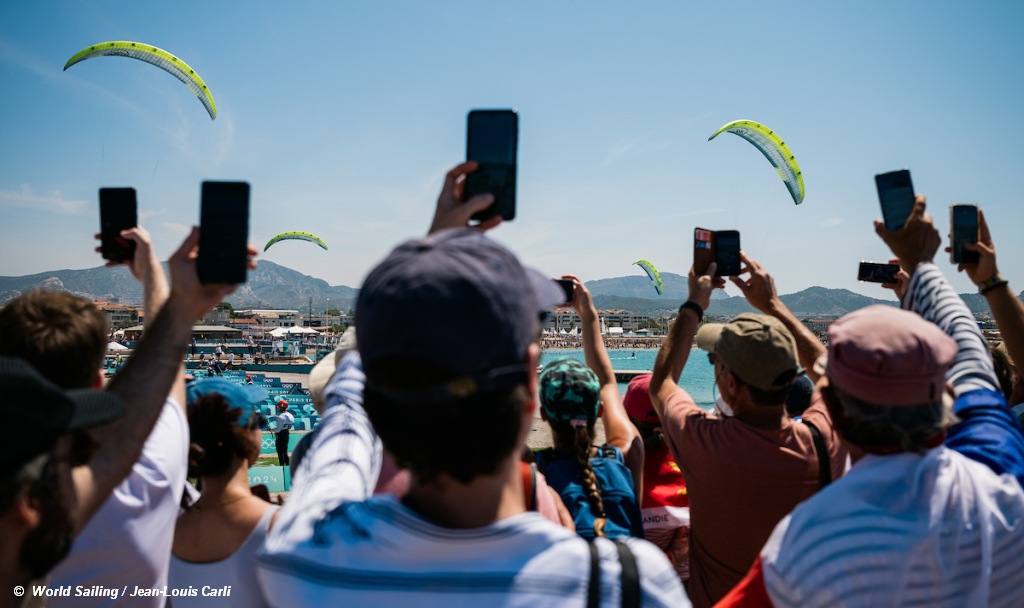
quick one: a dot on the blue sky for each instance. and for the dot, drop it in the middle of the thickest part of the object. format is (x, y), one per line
(344, 117)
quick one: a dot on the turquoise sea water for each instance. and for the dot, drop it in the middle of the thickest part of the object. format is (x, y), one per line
(698, 376)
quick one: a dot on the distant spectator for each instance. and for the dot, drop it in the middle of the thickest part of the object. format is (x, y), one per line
(282, 431)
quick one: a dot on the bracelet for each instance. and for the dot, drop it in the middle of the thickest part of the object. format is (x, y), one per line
(695, 307)
(994, 282)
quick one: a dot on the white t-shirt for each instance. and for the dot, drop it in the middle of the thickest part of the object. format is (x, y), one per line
(285, 421)
(128, 541)
(332, 545)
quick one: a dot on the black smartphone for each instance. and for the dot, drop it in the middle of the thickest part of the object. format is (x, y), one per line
(896, 195)
(876, 272)
(223, 233)
(727, 253)
(492, 139)
(963, 222)
(568, 288)
(118, 211)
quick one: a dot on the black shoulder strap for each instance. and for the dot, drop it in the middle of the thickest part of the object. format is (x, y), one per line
(533, 486)
(594, 585)
(630, 576)
(824, 466)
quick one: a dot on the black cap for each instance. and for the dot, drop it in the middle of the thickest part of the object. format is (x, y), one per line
(43, 411)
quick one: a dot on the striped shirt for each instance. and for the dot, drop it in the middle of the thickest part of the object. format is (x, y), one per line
(334, 545)
(933, 529)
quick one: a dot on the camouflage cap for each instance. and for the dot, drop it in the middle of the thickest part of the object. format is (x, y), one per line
(569, 390)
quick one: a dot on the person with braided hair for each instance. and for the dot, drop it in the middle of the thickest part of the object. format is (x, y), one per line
(599, 485)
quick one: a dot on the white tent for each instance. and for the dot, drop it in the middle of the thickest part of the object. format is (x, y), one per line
(116, 346)
(295, 331)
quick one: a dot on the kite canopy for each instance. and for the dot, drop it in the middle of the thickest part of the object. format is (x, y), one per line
(300, 236)
(652, 273)
(774, 149)
(158, 57)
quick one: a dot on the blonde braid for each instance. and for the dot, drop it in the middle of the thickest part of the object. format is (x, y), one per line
(583, 442)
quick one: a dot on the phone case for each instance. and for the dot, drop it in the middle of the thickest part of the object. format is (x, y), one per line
(703, 250)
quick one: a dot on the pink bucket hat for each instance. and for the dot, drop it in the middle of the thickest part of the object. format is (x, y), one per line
(887, 356)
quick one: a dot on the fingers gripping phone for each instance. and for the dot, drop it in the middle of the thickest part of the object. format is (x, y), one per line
(876, 272)
(568, 288)
(223, 233)
(118, 211)
(963, 222)
(492, 140)
(721, 247)
(896, 195)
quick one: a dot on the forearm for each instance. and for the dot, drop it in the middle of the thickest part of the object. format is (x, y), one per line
(155, 290)
(1008, 312)
(593, 348)
(672, 357)
(144, 383)
(930, 295)
(808, 347)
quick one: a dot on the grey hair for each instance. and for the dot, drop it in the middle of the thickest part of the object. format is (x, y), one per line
(869, 424)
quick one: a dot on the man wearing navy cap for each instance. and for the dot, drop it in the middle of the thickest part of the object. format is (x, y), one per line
(447, 328)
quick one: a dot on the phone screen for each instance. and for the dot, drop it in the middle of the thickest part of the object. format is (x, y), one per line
(896, 195)
(492, 138)
(964, 226)
(117, 212)
(876, 272)
(727, 253)
(223, 233)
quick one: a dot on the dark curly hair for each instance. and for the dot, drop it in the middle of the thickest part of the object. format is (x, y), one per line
(217, 438)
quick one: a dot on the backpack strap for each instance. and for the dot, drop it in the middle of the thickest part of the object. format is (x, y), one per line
(594, 584)
(824, 468)
(630, 582)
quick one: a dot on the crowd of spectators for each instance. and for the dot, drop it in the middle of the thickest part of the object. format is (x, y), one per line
(882, 469)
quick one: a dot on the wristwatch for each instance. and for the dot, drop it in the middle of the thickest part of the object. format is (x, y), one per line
(994, 282)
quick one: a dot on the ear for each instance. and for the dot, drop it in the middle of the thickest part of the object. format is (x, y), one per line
(23, 513)
(97, 382)
(600, 411)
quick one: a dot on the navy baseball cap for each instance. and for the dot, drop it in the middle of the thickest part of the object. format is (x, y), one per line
(43, 411)
(460, 301)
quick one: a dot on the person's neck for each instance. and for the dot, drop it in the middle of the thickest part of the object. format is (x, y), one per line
(218, 491)
(484, 500)
(767, 417)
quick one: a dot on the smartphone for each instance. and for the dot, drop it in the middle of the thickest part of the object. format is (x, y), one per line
(727, 253)
(703, 250)
(963, 222)
(876, 272)
(223, 233)
(492, 140)
(721, 247)
(118, 211)
(568, 288)
(896, 195)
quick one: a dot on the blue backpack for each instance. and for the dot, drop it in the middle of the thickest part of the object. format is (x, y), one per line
(614, 482)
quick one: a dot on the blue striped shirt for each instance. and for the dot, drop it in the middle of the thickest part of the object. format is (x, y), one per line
(333, 545)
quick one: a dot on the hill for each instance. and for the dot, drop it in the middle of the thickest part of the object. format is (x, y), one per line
(274, 286)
